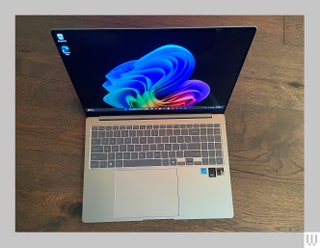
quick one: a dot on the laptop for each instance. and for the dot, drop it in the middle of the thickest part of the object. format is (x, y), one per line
(154, 100)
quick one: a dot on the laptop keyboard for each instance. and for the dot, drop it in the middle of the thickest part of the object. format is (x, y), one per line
(156, 145)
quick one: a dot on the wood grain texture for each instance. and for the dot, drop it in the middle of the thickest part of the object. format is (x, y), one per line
(265, 123)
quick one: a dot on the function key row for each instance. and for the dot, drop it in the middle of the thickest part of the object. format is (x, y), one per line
(164, 126)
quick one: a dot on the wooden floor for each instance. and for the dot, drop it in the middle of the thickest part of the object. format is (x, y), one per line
(265, 122)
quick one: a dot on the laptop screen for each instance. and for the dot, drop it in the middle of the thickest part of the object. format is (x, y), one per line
(159, 70)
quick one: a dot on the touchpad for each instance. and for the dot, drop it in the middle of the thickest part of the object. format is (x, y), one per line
(146, 193)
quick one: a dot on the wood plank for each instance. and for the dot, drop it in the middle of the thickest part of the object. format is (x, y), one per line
(266, 141)
(276, 214)
(294, 30)
(265, 81)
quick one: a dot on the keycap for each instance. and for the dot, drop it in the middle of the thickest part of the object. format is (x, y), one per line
(192, 154)
(97, 148)
(142, 162)
(98, 156)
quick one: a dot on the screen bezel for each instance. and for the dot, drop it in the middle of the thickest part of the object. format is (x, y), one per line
(115, 112)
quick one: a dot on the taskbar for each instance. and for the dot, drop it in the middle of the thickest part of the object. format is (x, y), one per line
(91, 110)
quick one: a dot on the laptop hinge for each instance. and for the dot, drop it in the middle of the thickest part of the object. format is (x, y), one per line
(155, 117)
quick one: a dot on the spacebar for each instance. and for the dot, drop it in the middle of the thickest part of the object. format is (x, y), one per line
(142, 162)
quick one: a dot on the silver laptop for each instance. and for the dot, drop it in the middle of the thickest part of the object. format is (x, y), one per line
(154, 100)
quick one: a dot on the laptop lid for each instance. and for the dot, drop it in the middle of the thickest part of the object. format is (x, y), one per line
(154, 70)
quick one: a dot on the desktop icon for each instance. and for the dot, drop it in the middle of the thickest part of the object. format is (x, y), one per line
(60, 36)
(65, 50)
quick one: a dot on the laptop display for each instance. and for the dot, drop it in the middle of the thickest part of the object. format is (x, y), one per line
(154, 70)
